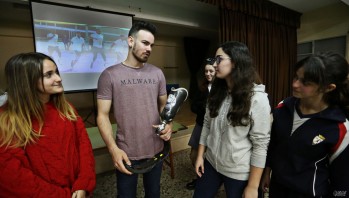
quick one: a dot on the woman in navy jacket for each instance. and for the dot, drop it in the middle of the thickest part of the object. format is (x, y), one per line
(309, 133)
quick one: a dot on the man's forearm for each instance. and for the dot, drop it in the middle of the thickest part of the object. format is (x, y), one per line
(106, 131)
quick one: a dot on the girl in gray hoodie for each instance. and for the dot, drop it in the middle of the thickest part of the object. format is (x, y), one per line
(236, 129)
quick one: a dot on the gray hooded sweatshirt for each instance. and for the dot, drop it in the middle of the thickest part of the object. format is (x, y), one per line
(232, 150)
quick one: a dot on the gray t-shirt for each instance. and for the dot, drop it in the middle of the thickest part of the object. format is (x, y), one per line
(134, 93)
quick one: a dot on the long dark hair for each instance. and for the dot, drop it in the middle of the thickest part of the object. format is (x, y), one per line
(243, 77)
(328, 68)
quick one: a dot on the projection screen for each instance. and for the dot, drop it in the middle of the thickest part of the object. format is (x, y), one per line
(82, 41)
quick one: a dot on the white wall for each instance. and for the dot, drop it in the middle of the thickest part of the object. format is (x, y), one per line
(15, 34)
(168, 54)
(327, 22)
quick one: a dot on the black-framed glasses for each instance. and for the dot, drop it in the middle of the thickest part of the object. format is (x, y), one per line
(217, 59)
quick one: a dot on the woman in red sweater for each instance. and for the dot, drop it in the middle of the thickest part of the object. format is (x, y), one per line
(44, 147)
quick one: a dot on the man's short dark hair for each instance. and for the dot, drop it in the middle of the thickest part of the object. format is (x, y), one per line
(142, 25)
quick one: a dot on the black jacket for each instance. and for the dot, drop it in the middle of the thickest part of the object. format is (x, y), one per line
(300, 160)
(198, 106)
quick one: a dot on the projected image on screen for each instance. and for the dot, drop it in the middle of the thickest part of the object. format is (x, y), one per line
(79, 48)
(82, 41)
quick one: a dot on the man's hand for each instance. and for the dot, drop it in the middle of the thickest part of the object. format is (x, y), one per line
(119, 156)
(166, 133)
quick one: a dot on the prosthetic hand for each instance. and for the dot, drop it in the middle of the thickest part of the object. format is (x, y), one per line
(174, 101)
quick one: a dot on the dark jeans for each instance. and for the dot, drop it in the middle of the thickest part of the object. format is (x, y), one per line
(208, 185)
(127, 184)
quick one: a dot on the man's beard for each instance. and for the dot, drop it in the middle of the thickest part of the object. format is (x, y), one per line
(139, 59)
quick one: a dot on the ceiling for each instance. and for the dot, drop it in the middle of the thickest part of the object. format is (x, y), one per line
(296, 5)
(165, 12)
(304, 6)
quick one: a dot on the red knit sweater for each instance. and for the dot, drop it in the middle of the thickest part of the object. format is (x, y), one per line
(59, 163)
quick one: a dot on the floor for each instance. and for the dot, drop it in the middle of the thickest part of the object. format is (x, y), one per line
(170, 188)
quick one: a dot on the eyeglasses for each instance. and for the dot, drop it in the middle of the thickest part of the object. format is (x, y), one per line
(217, 59)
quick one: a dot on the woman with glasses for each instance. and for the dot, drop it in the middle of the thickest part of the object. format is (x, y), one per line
(236, 127)
(308, 153)
(44, 147)
(198, 106)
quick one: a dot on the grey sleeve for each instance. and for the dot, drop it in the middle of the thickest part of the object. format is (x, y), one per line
(260, 131)
(205, 128)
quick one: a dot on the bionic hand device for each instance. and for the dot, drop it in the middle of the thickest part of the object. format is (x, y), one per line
(173, 103)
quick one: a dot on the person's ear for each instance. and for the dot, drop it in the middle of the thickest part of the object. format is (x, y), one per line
(330, 87)
(130, 41)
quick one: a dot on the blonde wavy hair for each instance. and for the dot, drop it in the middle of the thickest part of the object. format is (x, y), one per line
(23, 73)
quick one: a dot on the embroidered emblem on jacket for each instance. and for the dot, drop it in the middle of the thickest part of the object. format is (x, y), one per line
(318, 139)
(339, 193)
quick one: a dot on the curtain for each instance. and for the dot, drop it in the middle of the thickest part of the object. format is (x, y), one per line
(195, 51)
(270, 32)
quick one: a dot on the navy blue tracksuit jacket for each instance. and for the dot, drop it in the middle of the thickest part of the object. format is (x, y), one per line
(311, 160)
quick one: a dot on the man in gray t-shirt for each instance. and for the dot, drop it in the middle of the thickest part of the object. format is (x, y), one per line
(137, 92)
